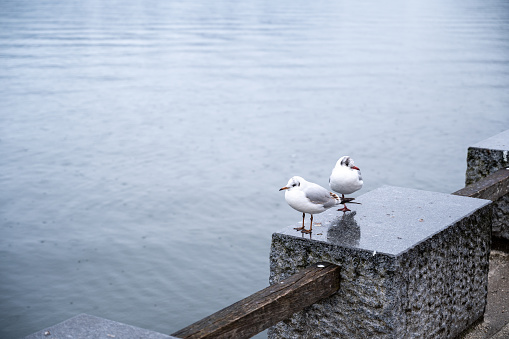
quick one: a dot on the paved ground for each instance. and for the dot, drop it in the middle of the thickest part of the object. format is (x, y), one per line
(496, 318)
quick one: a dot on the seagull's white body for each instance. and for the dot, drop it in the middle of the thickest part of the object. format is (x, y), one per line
(345, 177)
(308, 197)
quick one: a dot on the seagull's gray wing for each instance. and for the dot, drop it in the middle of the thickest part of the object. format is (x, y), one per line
(319, 195)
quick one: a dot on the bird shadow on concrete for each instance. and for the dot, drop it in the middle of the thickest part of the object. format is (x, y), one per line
(344, 230)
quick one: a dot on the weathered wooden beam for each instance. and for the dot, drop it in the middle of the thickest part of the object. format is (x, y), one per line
(491, 187)
(267, 307)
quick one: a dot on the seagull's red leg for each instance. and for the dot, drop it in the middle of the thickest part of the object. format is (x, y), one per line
(344, 209)
(310, 227)
(301, 228)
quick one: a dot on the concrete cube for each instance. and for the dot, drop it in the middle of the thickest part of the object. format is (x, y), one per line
(483, 159)
(414, 264)
(86, 326)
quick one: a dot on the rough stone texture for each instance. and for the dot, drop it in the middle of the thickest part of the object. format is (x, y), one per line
(414, 264)
(485, 158)
(501, 217)
(495, 322)
(85, 326)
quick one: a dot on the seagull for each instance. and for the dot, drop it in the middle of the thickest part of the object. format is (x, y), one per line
(308, 197)
(346, 178)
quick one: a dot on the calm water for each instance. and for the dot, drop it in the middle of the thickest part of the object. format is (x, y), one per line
(143, 144)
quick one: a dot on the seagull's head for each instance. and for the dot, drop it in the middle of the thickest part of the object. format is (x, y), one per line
(293, 183)
(347, 162)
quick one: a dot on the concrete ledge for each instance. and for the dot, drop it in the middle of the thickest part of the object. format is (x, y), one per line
(85, 326)
(483, 159)
(414, 264)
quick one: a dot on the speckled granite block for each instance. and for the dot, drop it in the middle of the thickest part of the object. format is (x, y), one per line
(414, 265)
(487, 157)
(86, 326)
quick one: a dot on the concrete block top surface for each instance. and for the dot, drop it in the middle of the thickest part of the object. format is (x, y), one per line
(496, 142)
(389, 220)
(86, 326)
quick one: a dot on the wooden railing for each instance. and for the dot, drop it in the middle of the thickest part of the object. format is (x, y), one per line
(267, 307)
(491, 187)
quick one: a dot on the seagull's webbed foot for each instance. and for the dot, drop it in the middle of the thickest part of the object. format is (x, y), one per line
(310, 226)
(301, 228)
(344, 209)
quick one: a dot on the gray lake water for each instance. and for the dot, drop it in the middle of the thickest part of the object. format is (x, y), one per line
(143, 144)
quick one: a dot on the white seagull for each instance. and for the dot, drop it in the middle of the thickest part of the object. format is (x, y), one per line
(346, 178)
(308, 197)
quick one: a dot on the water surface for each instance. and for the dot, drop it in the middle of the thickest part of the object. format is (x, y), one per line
(143, 144)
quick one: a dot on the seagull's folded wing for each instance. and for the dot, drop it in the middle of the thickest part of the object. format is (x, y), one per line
(319, 195)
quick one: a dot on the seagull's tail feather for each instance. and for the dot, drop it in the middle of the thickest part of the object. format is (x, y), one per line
(349, 201)
(343, 201)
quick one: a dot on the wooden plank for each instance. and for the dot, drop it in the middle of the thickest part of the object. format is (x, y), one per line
(491, 187)
(267, 307)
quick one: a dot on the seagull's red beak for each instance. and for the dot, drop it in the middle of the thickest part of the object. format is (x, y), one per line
(355, 167)
(284, 188)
